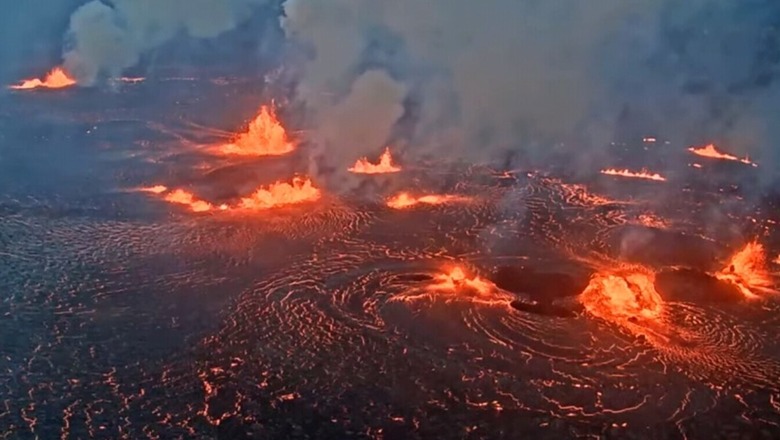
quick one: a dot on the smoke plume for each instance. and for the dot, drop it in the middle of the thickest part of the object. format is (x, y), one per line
(106, 38)
(532, 79)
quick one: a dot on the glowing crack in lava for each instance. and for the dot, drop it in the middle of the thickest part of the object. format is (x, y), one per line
(182, 197)
(747, 271)
(265, 136)
(281, 193)
(56, 79)
(636, 175)
(405, 200)
(385, 165)
(624, 297)
(454, 284)
(712, 152)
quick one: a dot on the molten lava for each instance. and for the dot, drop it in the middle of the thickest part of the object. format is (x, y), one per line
(712, 152)
(183, 197)
(456, 279)
(454, 284)
(56, 79)
(385, 165)
(281, 193)
(623, 296)
(636, 175)
(156, 189)
(405, 200)
(747, 271)
(265, 136)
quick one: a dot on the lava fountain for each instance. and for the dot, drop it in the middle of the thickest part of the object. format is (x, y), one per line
(385, 165)
(710, 151)
(281, 193)
(455, 284)
(56, 79)
(747, 271)
(405, 200)
(624, 296)
(265, 136)
(182, 197)
(644, 174)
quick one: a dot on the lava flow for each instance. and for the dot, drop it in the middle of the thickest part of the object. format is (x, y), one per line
(56, 79)
(712, 152)
(747, 271)
(636, 175)
(265, 136)
(405, 200)
(156, 189)
(183, 197)
(455, 284)
(623, 296)
(385, 165)
(282, 193)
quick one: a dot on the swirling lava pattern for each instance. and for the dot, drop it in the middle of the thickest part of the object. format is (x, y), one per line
(319, 321)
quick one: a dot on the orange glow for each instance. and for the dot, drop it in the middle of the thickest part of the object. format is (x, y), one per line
(649, 139)
(405, 200)
(455, 284)
(456, 279)
(385, 165)
(712, 152)
(265, 136)
(282, 193)
(156, 189)
(183, 197)
(636, 175)
(623, 296)
(56, 79)
(747, 271)
(652, 221)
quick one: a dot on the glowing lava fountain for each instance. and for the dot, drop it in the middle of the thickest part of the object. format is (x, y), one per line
(265, 136)
(747, 271)
(624, 296)
(454, 284)
(385, 165)
(281, 193)
(710, 151)
(182, 197)
(56, 79)
(636, 175)
(405, 200)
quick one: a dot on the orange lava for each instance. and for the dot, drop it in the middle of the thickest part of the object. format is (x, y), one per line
(385, 165)
(265, 136)
(182, 197)
(405, 200)
(636, 175)
(281, 193)
(652, 221)
(156, 189)
(747, 270)
(56, 79)
(456, 279)
(455, 284)
(623, 296)
(712, 152)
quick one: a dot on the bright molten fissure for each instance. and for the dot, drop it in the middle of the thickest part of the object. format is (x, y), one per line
(623, 296)
(188, 199)
(456, 279)
(747, 270)
(265, 136)
(405, 200)
(56, 79)
(282, 193)
(712, 152)
(634, 174)
(385, 165)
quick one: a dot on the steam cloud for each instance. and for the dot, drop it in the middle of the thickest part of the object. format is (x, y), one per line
(534, 78)
(105, 39)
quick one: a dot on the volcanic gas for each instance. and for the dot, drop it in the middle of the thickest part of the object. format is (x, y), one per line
(56, 79)
(385, 165)
(265, 136)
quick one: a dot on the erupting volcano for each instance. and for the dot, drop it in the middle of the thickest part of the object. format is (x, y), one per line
(623, 296)
(710, 151)
(182, 197)
(385, 165)
(280, 194)
(644, 174)
(405, 200)
(747, 271)
(56, 79)
(265, 136)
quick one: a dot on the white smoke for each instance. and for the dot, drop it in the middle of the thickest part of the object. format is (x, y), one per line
(107, 38)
